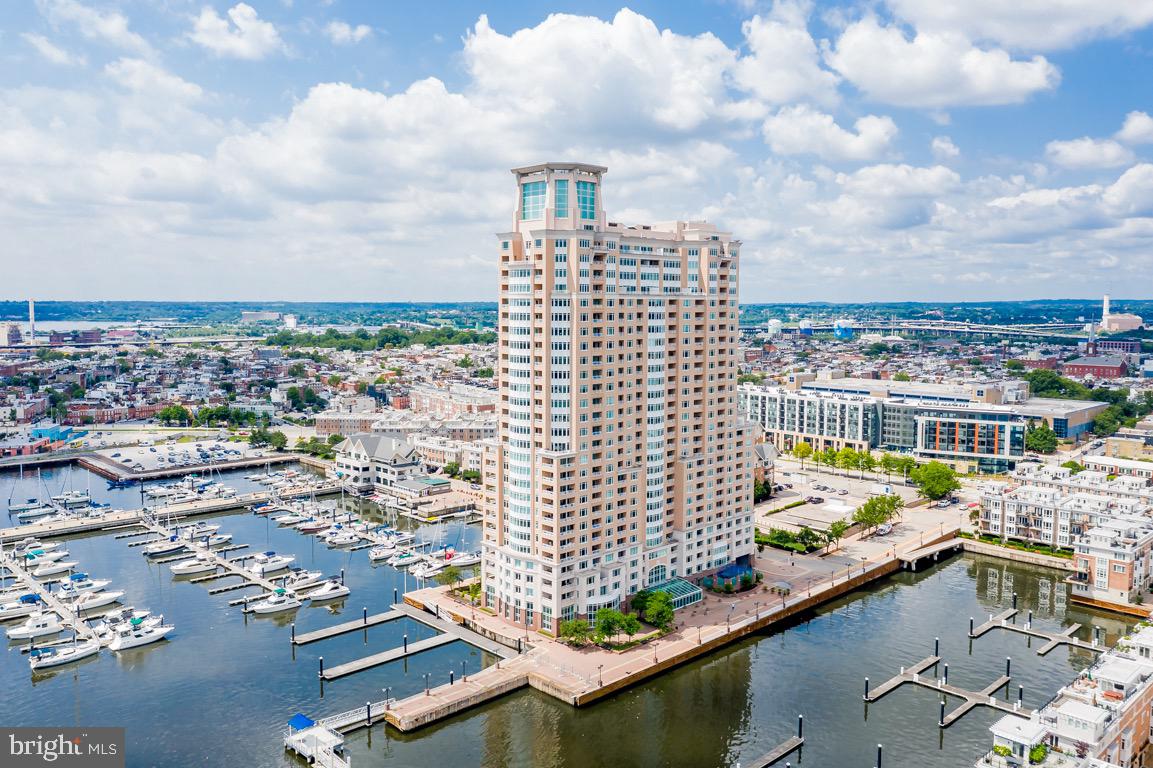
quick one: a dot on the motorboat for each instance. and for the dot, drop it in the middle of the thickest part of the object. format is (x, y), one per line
(168, 546)
(201, 564)
(45, 658)
(218, 539)
(329, 590)
(73, 499)
(198, 531)
(463, 558)
(123, 614)
(137, 632)
(300, 578)
(380, 552)
(31, 544)
(39, 624)
(427, 569)
(269, 562)
(24, 606)
(38, 556)
(24, 505)
(312, 526)
(35, 513)
(51, 569)
(292, 518)
(71, 588)
(343, 539)
(401, 537)
(279, 601)
(91, 600)
(405, 559)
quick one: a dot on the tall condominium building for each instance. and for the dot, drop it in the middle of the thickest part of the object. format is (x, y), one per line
(622, 462)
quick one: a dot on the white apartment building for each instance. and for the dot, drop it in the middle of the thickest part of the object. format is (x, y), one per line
(791, 416)
(1113, 560)
(622, 462)
(451, 401)
(367, 461)
(1049, 516)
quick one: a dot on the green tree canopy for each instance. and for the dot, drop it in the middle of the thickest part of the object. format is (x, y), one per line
(935, 480)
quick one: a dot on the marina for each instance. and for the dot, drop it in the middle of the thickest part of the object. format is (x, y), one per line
(744, 683)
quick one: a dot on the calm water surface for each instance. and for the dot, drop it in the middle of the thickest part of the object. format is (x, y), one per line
(219, 691)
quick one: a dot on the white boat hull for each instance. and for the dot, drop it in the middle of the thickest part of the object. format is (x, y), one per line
(144, 636)
(64, 656)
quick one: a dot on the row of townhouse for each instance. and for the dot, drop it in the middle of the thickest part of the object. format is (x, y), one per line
(1100, 720)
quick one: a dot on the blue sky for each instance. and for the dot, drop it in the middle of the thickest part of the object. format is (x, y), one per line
(333, 149)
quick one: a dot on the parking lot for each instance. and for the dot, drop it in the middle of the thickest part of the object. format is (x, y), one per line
(838, 497)
(169, 455)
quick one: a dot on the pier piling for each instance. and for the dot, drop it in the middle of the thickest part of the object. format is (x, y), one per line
(1014, 599)
(941, 720)
(1008, 666)
(970, 626)
(946, 677)
(866, 696)
(320, 674)
(879, 756)
(936, 646)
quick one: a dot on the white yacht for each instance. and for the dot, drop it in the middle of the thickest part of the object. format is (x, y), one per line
(39, 624)
(34, 513)
(31, 544)
(329, 590)
(24, 505)
(269, 562)
(74, 587)
(137, 632)
(464, 558)
(278, 601)
(38, 556)
(380, 552)
(51, 569)
(218, 539)
(198, 531)
(168, 546)
(405, 559)
(300, 578)
(23, 606)
(91, 600)
(200, 564)
(427, 569)
(343, 539)
(45, 658)
(292, 518)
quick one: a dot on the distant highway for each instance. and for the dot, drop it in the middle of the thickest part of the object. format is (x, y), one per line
(1032, 330)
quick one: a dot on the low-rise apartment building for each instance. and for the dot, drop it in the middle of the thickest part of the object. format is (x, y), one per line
(1113, 560)
(451, 401)
(365, 462)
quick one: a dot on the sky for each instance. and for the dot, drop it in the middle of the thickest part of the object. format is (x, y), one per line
(331, 150)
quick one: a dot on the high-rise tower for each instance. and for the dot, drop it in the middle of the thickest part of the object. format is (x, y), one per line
(622, 461)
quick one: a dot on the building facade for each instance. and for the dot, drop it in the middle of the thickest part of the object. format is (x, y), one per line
(622, 462)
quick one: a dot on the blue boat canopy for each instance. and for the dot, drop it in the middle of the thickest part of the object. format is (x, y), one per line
(269, 554)
(26, 599)
(299, 722)
(78, 576)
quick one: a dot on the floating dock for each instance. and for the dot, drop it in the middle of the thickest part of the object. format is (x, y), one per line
(348, 626)
(970, 699)
(1055, 639)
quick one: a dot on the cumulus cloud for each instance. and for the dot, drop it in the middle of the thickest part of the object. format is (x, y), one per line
(1085, 153)
(1137, 129)
(243, 35)
(343, 33)
(934, 69)
(1027, 24)
(142, 76)
(944, 149)
(594, 72)
(104, 25)
(802, 130)
(52, 52)
(784, 63)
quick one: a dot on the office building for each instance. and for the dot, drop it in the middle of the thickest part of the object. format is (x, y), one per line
(622, 462)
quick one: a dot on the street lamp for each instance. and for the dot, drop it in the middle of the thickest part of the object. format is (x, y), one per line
(600, 679)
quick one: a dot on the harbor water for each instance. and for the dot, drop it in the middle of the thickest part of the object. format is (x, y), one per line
(220, 690)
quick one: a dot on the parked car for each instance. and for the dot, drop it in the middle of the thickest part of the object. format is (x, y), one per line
(815, 500)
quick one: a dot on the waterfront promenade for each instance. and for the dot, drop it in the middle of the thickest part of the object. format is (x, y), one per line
(579, 676)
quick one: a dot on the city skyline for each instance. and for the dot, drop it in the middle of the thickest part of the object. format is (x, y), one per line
(349, 151)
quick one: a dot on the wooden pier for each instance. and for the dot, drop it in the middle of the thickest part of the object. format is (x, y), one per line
(376, 659)
(970, 699)
(785, 748)
(1054, 639)
(120, 520)
(54, 603)
(231, 566)
(348, 626)
(933, 552)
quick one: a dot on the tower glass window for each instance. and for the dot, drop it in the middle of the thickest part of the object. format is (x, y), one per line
(560, 194)
(587, 199)
(532, 200)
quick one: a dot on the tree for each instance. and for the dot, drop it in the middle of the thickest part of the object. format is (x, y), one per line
(1073, 466)
(278, 440)
(631, 625)
(877, 511)
(465, 362)
(449, 576)
(573, 631)
(640, 600)
(335, 438)
(901, 376)
(607, 622)
(1041, 439)
(483, 373)
(808, 538)
(834, 533)
(173, 413)
(866, 461)
(452, 469)
(847, 458)
(802, 451)
(762, 491)
(935, 480)
(660, 610)
(1014, 365)
(751, 378)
